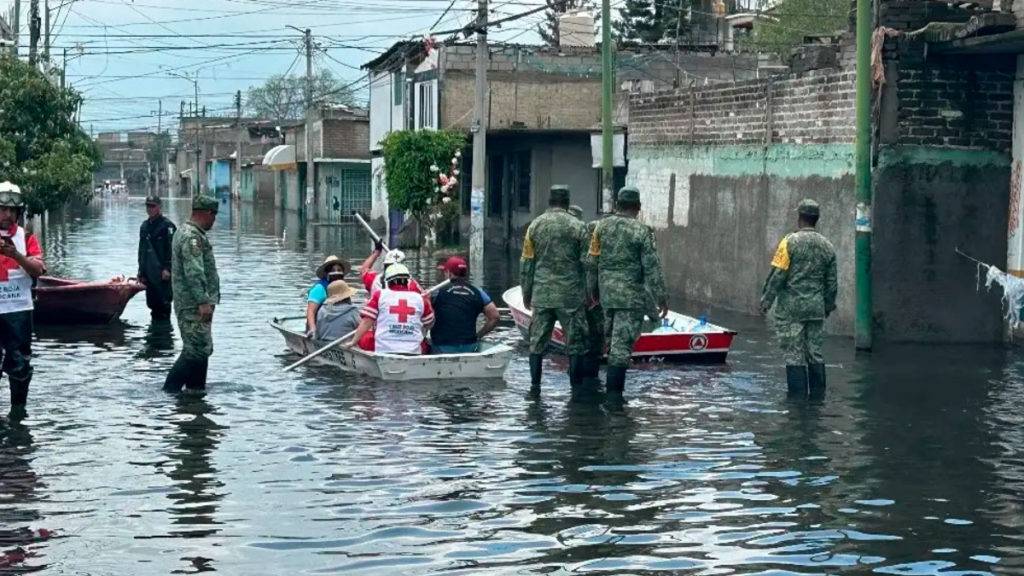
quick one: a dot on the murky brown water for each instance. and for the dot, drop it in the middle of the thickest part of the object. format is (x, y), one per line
(913, 465)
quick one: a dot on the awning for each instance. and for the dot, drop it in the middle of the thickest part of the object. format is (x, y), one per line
(279, 157)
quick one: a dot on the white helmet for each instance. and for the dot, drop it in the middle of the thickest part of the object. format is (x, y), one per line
(10, 195)
(394, 257)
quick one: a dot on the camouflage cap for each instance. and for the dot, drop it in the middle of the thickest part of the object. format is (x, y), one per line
(153, 200)
(629, 194)
(576, 211)
(560, 193)
(205, 203)
(808, 207)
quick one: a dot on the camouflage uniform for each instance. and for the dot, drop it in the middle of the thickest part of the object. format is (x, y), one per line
(802, 286)
(195, 282)
(595, 314)
(628, 278)
(552, 278)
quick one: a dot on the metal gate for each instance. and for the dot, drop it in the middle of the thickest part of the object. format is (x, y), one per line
(348, 191)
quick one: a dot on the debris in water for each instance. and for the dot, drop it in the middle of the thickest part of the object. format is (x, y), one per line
(1013, 292)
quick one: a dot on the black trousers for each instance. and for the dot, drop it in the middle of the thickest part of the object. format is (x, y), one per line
(15, 347)
(158, 298)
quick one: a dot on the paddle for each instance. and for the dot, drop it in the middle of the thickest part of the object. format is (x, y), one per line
(347, 336)
(373, 234)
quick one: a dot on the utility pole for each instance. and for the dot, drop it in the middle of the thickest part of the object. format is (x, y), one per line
(238, 146)
(481, 116)
(863, 325)
(46, 31)
(314, 212)
(33, 32)
(160, 142)
(64, 69)
(16, 25)
(607, 96)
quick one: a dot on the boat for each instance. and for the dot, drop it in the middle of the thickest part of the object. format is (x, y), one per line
(681, 338)
(66, 301)
(489, 363)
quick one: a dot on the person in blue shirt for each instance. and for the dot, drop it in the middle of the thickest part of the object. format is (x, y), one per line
(456, 308)
(332, 269)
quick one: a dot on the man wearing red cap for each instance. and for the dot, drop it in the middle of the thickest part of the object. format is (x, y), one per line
(456, 308)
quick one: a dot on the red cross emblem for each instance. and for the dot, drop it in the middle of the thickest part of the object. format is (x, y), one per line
(403, 310)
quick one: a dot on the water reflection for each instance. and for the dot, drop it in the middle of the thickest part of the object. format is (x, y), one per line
(193, 442)
(21, 548)
(911, 465)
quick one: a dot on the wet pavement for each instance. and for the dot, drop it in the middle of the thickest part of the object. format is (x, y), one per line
(914, 464)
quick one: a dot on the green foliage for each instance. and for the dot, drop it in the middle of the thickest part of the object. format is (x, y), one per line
(42, 150)
(156, 153)
(640, 22)
(408, 157)
(283, 97)
(785, 26)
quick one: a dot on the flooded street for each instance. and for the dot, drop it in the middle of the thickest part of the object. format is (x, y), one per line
(914, 464)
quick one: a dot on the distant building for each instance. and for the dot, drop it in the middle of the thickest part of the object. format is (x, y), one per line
(207, 155)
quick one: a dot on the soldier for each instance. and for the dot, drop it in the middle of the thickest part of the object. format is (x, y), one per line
(155, 236)
(21, 261)
(625, 276)
(197, 291)
(552, 278)
(802, 285)
(594, 312)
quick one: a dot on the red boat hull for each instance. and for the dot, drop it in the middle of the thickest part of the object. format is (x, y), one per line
(63, 301)
(710, 344)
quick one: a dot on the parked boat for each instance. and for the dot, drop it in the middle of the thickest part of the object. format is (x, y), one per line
(490, 363)
(65, 301)
(683, 338)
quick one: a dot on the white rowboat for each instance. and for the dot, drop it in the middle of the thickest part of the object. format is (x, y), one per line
(490, 363)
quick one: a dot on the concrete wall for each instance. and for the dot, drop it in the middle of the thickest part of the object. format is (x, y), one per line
(524, 100)
(722, 168)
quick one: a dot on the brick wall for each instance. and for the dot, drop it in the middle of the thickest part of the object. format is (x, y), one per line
(524, 101)
(346, 138)
(908, 15)
(817, 107)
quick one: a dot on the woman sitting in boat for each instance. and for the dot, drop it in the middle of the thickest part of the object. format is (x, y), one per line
(332, 269)
(374, 281)
(401, 315)
(337, 316)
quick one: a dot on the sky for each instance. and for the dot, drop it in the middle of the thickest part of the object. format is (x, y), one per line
(126, 56)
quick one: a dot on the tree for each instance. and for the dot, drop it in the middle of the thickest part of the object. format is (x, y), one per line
(549, 30)
(786, 24)
(283, 97)
(42, 149)
(421, 171)
(640, 22)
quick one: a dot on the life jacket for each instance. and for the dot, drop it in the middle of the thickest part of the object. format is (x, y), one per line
(399, 322)
(15, 283)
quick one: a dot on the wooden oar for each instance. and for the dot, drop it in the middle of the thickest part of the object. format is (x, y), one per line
(373, 234)
(347, 336)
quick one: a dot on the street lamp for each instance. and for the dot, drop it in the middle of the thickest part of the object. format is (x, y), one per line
(195, 120)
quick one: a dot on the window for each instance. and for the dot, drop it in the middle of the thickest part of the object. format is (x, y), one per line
(425, 105)
(397, 88)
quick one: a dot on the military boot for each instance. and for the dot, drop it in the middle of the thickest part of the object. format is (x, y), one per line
(197, 374)
(536, 369)
(816, 380)
(19, 388)
(576, 370)
(796, 380)
(591, 366)
(615, 380)
(178, 375)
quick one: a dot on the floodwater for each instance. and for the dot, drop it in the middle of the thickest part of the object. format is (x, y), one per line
(913, 465)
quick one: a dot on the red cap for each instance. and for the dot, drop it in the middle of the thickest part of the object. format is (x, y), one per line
(456, 265)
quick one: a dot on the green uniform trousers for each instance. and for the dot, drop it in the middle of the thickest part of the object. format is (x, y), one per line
(801, 342)
(196, 336)
(595, 331)
(622, 327)
(574, 327)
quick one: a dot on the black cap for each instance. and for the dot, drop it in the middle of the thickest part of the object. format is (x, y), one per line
(153, 200)
(808, 207)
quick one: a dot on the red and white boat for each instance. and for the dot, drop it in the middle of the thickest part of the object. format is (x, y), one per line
(684, 339)
(64, 301)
